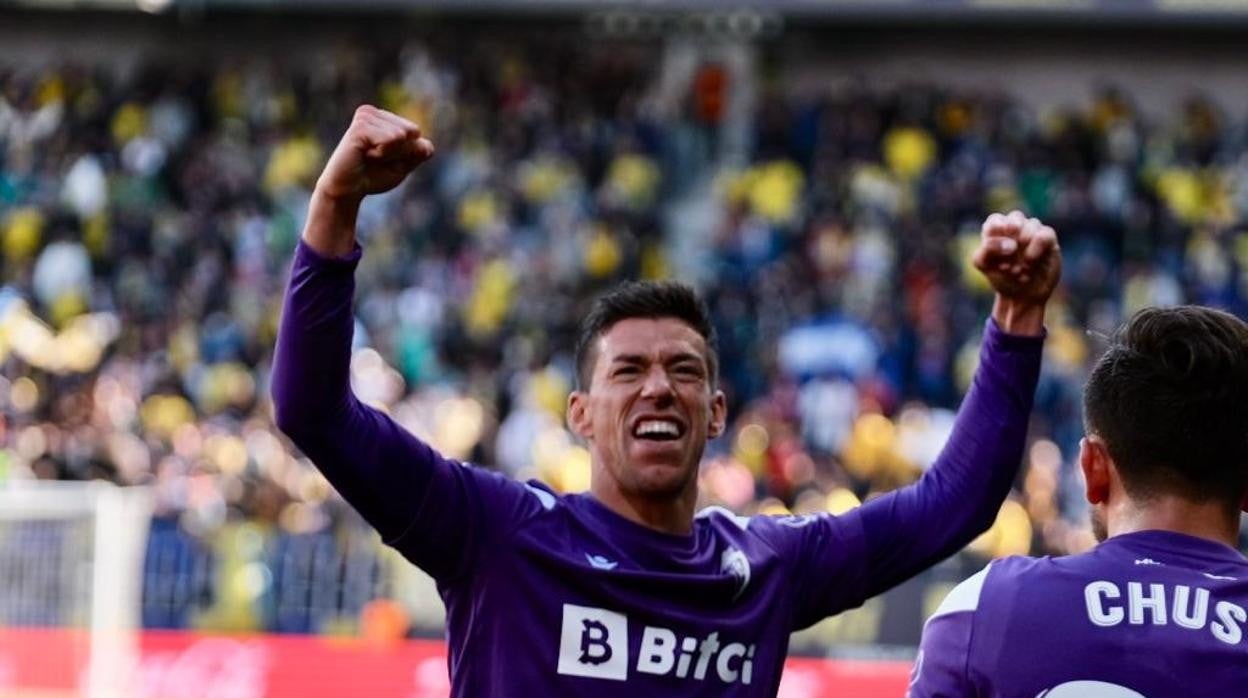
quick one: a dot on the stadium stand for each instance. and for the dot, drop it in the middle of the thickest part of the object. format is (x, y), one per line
(147, 218)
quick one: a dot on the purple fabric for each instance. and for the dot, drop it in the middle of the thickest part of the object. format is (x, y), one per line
(557, 595)
(1153, 614)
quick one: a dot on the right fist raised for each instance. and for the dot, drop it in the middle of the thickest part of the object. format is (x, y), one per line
(378, 150)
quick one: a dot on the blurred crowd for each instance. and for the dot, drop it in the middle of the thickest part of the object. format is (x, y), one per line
(148, 216)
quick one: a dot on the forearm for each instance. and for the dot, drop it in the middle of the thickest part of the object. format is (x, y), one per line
(313, 354)
(958, 497)
(311, 363)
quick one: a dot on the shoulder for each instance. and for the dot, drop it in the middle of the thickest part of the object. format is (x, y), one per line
(1005, 574)
(779, 530)
(717, 517)
(503, 498)
(797, 538)
(767, 525)
(964, 597)
(540, 494)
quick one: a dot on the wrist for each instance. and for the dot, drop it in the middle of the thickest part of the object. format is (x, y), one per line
(1019, 318)
(329, 196)
(330, 228)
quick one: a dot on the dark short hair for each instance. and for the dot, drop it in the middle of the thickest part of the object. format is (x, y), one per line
(643, 299)
(1170, 399)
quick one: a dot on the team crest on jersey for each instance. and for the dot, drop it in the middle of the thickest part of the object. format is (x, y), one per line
(797, 521)
(735, 563)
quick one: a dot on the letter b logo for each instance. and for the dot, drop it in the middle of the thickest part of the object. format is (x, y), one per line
(594, 647)
(594, 643)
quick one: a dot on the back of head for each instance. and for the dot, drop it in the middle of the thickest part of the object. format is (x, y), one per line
(1170, 400)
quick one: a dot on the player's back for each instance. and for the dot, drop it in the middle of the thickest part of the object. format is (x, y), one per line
(1153, 614)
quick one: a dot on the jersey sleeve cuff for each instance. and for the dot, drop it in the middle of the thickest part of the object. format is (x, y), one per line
(1001, 340)
(306, 256)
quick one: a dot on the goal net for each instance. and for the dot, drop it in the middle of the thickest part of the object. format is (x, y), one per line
(71, 557)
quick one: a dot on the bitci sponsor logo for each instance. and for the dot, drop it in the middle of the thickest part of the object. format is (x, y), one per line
(594, 644)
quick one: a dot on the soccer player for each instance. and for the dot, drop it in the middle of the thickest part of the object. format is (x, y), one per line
(1160, 607)
(625, 591)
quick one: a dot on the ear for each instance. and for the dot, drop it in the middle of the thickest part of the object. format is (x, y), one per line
(578, 415)
(1095, 463)
(719, 415)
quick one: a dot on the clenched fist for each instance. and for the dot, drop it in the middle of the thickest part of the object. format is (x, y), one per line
(378, 150)
(1023, 262)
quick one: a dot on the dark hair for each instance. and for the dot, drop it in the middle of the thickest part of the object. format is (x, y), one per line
(1170, 399)
(643, 299)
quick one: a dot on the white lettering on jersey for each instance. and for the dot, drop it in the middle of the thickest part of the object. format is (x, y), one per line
(1189, 608)
(657, 655)
(1154, 602)
(1191, 616)
(594, 644)
(1230, 619)
(1097, 613)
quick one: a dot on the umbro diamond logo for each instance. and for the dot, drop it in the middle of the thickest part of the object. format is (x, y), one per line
(601, 563)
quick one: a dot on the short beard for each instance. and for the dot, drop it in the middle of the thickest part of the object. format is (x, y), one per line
(1099, 527)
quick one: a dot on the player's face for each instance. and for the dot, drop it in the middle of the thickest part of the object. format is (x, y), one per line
(650, 407)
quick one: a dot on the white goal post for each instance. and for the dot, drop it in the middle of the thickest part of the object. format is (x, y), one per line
(71, 558)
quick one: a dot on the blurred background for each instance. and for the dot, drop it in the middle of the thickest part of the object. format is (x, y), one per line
(818, 168)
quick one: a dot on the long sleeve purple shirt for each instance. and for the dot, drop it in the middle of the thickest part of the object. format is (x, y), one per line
(1152, 614)
(551, 594)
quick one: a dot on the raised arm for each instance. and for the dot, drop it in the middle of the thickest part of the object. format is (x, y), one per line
(310, 375)
(958, 497)
(895, 536)
(419, 501)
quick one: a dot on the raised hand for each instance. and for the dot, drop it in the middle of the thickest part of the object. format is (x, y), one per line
(378, 150)
(1023, 262)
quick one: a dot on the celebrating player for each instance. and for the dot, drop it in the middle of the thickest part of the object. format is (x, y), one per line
(625, 590)
(1160, 607)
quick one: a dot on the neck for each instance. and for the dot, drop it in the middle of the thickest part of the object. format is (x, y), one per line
(671, 515)
(1209, 520)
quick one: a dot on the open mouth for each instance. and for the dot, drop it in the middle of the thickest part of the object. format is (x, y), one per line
(658, 429)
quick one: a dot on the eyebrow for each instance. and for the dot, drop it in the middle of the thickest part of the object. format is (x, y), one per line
(642, 359)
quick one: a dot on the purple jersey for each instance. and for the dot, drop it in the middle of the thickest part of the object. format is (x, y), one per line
(557, 595)
(1153, 614)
